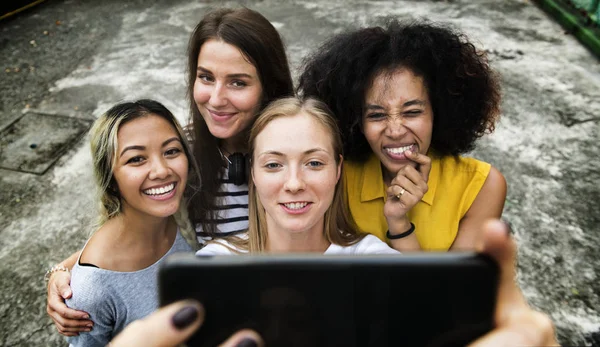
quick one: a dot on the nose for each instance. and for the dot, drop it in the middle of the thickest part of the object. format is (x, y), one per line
(218, 97)
(294, 182)
(159, 169)
(395, 126)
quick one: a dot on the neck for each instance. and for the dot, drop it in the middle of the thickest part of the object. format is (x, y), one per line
(146, 232)
(286, 241)
(234, 144)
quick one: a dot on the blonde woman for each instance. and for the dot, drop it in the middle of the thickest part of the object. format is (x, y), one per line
(296, 201)
(141, 165)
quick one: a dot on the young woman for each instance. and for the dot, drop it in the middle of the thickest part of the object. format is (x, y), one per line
(296, 192)
(410, 99)
(236, 66)
(141, 164)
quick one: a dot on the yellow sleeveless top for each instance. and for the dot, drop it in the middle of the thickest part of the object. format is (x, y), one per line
(454, 183)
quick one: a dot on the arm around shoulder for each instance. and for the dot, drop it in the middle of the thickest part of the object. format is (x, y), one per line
(489, 203)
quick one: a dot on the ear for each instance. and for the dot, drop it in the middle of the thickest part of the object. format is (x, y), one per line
(339, 168)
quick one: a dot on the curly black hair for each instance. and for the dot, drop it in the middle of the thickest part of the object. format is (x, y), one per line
(463, 90)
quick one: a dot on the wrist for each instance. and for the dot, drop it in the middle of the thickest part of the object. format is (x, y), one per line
(399, 225)
(54, 269)
(404, 233)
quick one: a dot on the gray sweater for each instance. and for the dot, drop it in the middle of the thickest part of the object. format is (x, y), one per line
(114, 299)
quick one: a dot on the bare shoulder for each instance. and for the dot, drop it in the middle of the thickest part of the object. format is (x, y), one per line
(98, 246)
(495, 184)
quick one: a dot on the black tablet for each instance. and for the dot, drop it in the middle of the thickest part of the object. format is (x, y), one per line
(425, 299)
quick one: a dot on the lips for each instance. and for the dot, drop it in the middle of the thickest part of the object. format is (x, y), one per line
(297, 207)
(220, 116)
(164, 192)
(396, 152)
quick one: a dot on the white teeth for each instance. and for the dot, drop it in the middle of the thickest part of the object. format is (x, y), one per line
(161, 190)
(398, 150)
(296, 205)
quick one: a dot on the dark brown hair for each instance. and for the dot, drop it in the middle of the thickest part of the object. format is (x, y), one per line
(261, 44)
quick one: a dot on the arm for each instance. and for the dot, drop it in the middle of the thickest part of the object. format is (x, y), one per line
(488, 204)
(405, 191)
(517, 324)
(68, 322)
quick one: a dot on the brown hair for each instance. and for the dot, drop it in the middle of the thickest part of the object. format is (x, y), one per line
(261, 44)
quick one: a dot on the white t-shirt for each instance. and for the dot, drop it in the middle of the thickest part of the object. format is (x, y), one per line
(368, 245)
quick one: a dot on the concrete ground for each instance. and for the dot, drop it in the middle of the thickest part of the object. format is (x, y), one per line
(76, 58)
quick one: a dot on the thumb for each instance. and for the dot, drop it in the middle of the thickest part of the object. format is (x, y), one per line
(65, 291)
(169, 326)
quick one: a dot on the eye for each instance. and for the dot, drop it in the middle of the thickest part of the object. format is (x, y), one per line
(172, 152)
(238, 84)
(205, 77)
(272, 166)
(135, 160)
(376, 116)
(413, 113)
(315, 164)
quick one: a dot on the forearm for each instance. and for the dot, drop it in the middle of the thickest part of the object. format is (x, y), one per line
(408, 243)
(70, 261)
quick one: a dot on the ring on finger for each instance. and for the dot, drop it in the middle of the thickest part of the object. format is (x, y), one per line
(400, 194)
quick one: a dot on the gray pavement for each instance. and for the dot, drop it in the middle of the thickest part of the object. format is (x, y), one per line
(76, 58)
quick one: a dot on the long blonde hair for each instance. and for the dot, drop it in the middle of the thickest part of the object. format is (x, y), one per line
(339, 227)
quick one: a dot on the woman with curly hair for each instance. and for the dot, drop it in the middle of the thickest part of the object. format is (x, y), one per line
(410, 99)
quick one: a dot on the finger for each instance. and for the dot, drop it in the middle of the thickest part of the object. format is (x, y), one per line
(67, 331)
(59, 283)
(58, 307)
(411, 174)
(244, 338)
(169, 326)
(423, 161)
(499, 245)
(69, 325)
(401, 182)
(526, 328)
(68, 334)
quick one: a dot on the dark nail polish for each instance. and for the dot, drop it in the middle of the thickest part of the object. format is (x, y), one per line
(185, 317)
(247, 342)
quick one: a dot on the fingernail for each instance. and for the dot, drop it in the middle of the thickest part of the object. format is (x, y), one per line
(408, 152)
(247, 342)
(86, 316)
(184, 317)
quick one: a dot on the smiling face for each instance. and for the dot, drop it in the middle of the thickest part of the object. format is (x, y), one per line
(227, 91)
(151, 167)
(295, 172)
(397, 117)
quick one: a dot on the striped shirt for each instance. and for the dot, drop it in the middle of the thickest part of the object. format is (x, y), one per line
(232, 211)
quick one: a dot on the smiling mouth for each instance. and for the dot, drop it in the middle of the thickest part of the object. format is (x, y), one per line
(160, 191)
(222, 114)
(400, 150)
(295, 205)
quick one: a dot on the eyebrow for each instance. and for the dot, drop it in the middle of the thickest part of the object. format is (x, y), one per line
(279, 154)
(141, 148)
(406, 104)
(234, 75)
